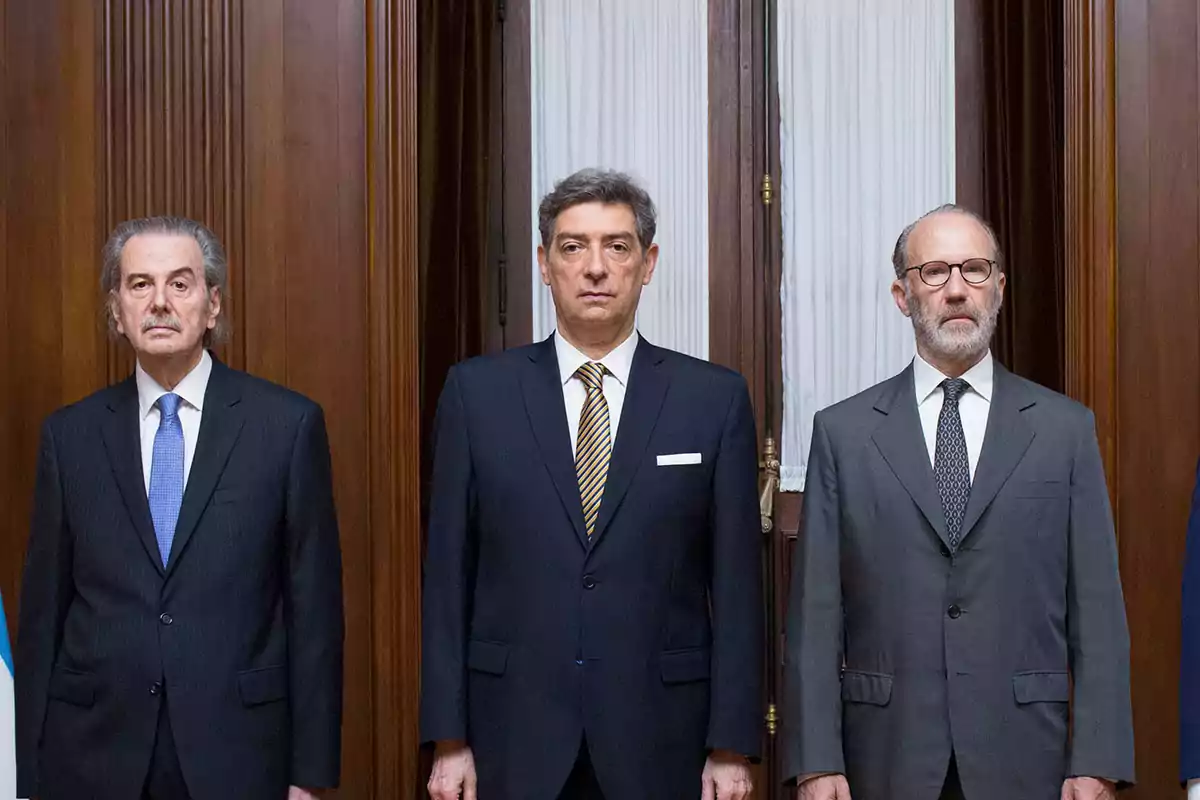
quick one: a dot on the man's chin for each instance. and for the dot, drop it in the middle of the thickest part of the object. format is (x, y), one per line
(162, 346)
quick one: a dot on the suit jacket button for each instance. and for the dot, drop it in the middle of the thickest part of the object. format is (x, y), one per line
(155, 688)
(945, 551)
(589, 582)
(166, 619)
(954, 611)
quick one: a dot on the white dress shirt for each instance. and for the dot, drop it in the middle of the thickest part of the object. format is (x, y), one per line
(191, 389)
(618, 363)
(973, 405)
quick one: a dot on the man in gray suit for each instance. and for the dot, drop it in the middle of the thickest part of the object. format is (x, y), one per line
(957, 569)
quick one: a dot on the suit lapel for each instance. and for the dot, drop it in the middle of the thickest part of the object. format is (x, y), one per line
(1007, 438)
(542, 387)
(644, 396)
(901, 441)
(220, 424)
(122, 441)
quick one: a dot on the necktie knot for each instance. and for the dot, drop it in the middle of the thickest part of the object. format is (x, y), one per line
(592, 375)
(953, 388)
(168, 405)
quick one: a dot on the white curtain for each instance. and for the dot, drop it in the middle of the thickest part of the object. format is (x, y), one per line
(623, 84)
(866, 98)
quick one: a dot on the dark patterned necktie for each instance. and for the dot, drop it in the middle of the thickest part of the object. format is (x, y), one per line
(950, 464)
(593, 446)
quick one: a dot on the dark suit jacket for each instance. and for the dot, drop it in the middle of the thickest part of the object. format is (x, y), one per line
(243, 628)
(899, 651)
(647, 639)
(1189, 680)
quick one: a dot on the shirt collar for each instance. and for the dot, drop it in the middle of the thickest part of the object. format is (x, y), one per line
(618, 362)
(928, 378)
(191, 389)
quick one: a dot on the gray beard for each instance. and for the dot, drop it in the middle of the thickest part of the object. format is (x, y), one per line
(945, 343)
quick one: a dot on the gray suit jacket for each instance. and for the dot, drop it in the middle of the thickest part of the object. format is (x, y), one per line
(900, 652)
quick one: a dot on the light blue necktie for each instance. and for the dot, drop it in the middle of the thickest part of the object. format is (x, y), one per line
(166, 474)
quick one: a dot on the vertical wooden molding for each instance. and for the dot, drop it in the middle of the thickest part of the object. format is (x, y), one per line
(393, 392)
(1091, 229)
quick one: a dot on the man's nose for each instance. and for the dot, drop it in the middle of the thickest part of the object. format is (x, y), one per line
(160, 296)
(955, 286)
(595, 267)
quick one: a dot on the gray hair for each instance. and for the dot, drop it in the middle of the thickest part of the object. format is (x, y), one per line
(216, 268)
(598, 186)
(900, 254)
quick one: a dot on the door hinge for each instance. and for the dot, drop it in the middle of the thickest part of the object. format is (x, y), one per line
(767, 193)
(772, 719)
(502, 293)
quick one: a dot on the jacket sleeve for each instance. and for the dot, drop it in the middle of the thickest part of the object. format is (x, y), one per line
(1189, 668)
(446, 597)
(736, 713)
(812, 708)
(1097, 635)
(46, 593)
(314, 610)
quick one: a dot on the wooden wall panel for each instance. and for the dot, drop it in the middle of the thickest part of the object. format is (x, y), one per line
(52, 330)
(171, 130)
(1133, 221)
(394, 470)
(1158, 341)
(288, 127)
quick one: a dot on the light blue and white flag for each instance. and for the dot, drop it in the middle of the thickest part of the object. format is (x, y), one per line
(8, 750)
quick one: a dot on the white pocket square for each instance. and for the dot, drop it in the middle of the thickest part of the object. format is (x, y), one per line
(675, 459)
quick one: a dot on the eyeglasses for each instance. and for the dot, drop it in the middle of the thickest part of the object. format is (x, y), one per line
(937, 273)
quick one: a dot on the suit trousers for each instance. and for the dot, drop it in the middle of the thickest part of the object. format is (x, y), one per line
(581, 783)
(952, 790)
(165, 779)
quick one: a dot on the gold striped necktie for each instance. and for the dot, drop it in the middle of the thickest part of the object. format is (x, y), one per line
(593, 447)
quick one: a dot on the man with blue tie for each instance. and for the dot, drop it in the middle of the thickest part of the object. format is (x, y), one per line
(181, 620)
(592, 597)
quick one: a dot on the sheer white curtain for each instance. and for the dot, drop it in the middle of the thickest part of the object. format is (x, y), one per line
(866, 99)
(623, 84)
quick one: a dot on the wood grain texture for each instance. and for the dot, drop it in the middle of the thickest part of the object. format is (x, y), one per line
(289, 129)
(1158, 352)
(1133, 220)
(394, 421)
(1091, 253)
(54, 340)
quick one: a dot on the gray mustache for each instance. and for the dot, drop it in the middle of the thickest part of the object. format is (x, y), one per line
(162, 322)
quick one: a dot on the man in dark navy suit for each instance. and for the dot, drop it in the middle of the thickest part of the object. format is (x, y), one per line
(593, 599)
(181, 611)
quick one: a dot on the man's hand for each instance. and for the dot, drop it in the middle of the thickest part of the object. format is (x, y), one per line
(296, 793)
(726, 777)
(453, 774)
(826, 787)
(1088, 789)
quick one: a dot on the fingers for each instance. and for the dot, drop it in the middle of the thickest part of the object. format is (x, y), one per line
(842, 788)
(708, 787)
(469, 782)
(443, 784)
(727, 786)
